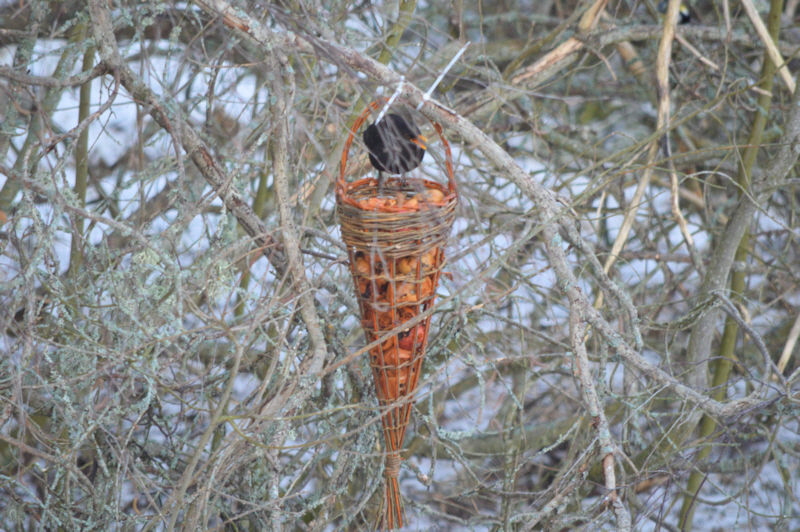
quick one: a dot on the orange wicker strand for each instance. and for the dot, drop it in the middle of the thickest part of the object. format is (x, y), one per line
(395, 239)
(393, 515)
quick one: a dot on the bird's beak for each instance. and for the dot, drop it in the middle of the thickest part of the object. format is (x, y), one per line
(420, 141)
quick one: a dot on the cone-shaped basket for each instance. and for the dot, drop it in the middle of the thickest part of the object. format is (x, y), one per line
(395, 243)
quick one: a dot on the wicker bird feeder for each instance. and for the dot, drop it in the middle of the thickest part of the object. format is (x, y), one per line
(395, 239)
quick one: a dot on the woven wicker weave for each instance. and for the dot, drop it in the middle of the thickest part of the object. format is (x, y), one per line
(395, 239)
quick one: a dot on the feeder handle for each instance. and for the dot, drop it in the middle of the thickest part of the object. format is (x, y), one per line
(341, 184)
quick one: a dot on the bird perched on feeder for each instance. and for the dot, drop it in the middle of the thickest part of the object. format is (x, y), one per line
(395, 145)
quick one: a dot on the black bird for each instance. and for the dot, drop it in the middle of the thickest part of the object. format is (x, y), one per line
(395, 145)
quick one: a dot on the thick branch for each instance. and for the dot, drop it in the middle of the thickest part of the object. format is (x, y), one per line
(722, 260)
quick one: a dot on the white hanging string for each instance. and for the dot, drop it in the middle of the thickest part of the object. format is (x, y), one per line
(391, 100)
(427, 95)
